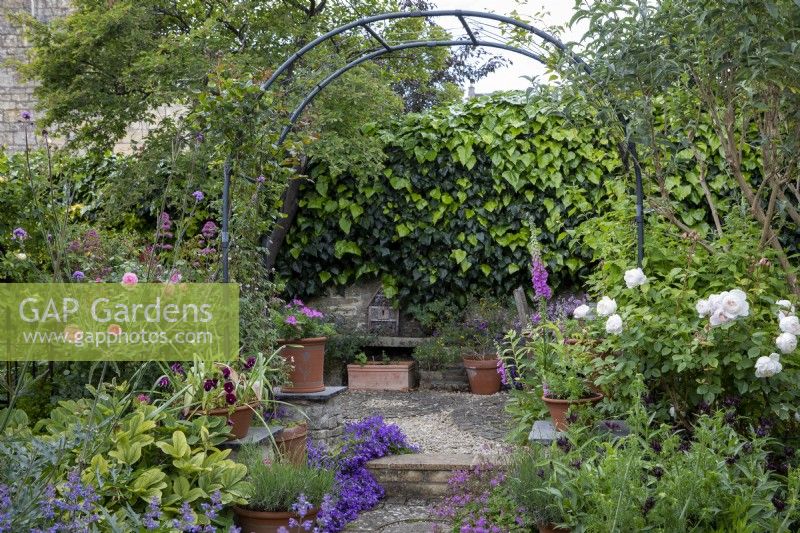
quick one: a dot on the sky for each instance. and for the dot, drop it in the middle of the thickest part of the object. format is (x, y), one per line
(543, 13)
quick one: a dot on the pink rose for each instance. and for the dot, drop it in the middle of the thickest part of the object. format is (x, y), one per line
(130, 279)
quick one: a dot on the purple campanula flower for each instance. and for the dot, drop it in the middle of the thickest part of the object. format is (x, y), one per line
(19, 234)
(198, 196)
(78, 275)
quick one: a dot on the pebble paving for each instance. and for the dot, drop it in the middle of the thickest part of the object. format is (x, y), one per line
(439, 422)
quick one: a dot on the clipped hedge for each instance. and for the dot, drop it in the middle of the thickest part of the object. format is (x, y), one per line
(450, 215)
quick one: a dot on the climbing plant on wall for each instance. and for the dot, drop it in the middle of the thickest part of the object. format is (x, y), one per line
(448, 217)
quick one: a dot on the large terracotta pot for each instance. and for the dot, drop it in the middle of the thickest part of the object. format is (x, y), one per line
(398, 375)
(267, 522)
(241, 419)
(550, 528)
(291, 443)
(559, 408)
(307, 357)
(483, 376)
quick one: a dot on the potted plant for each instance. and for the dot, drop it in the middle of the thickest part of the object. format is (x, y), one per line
(303, 333)
(383, 374)
(484, 324)
(233, 390)
(281, 494)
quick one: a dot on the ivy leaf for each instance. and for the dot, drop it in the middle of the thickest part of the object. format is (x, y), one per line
(459, 255)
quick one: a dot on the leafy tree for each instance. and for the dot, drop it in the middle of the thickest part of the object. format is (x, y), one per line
(731, 67)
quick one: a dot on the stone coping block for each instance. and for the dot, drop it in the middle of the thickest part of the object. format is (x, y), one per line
(254, 436)
(397, 342)
(544, 432)
(425, 461)
(322, 396)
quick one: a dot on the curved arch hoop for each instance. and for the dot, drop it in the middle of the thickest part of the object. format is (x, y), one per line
(385, 48)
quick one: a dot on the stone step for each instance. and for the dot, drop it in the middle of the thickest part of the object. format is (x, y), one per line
(419, 476)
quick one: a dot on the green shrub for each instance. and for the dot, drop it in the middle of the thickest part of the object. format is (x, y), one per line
(436, 354)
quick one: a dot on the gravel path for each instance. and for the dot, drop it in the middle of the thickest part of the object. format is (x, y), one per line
(439, 422)
(452, 422)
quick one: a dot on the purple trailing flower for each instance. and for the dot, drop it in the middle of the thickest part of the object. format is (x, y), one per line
(163, 382)
(501, 370)
(212, 508)
(261, 179)
(187, 519)
(78, 275)
(26, 116)
(19, 234)
(198, 196)
(177, 368)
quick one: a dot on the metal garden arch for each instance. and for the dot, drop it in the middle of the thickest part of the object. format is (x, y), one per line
(386, 48)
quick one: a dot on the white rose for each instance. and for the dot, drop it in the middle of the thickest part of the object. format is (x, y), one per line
(21, 256)
(790, 324)
(734, 303)
(718, 317)
(606, 306)
(768, 366)
(786, 342)
(614, 325)
(785, 304)
(635, 277)
(703, 308)
(582, 311)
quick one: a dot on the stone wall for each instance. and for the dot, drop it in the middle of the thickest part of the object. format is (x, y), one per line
(16, 96)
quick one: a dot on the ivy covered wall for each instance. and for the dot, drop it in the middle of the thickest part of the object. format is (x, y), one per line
(449, 216)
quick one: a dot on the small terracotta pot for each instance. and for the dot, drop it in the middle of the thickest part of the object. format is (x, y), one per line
(307, 358)
(291, 443)
(483, 376)
(267, 522)
(558, 408)
(241, 418)
(551, 528)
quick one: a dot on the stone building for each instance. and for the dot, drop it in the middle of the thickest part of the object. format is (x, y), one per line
(16, 96)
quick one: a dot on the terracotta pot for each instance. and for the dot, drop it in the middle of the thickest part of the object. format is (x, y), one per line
(398, 375)
(558, 408)
(307, 357)
(241, 419)
(291, 443)
(483, 376)
(267, 522)
(551, 528)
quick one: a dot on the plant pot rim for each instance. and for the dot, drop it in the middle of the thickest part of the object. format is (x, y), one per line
(486, 357)
(292, 432)
(251, 513)
(306, 340)
(223, 410)
(378, 364)
(595, 398)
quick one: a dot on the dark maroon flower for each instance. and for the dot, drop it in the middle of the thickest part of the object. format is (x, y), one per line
(229, 386)
(250, 363)
(779, 504)
(731, 460)
(656, 446)
(540, 473)
(177, 368)
(685, 445)
(649, 503)
(657, 472)
(730, 417)
(703, 408)
(226, 372)
(747, 447)
(576, 464)
(572, 418)
(230, 398)
(564, 444)
(210, 384)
